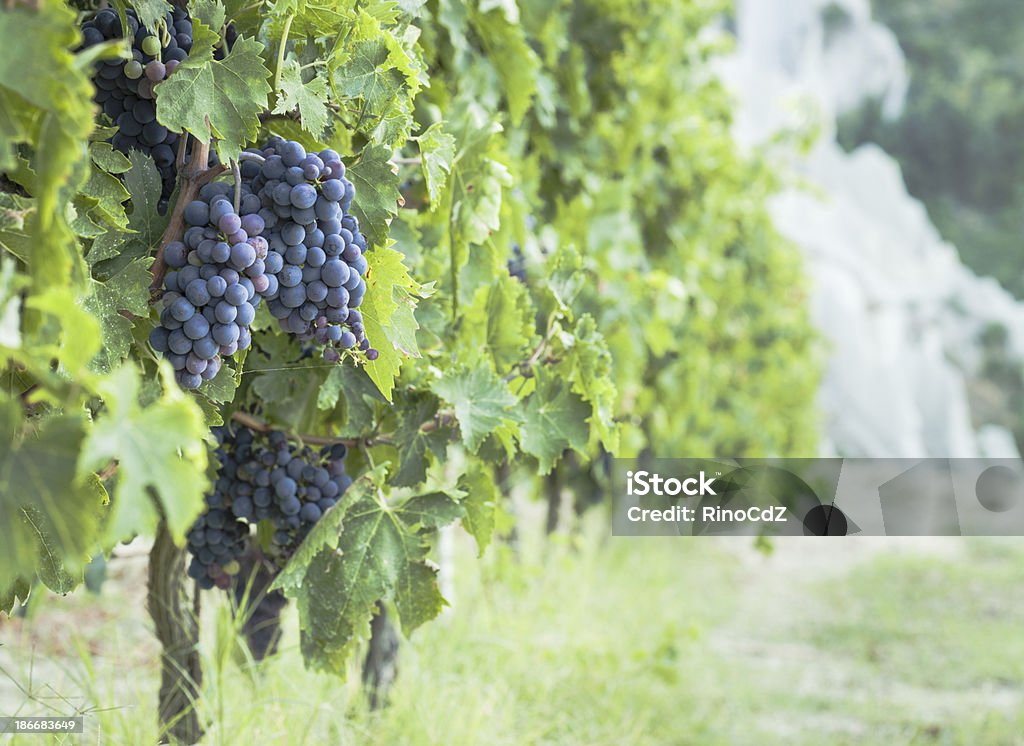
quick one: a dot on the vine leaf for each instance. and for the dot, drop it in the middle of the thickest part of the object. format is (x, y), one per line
(145, 223)
(51, 516)
(500, 321)
(361, 552)
(309, 98)
(517, 65)
(356, 392)
(16, 591)
(80, 337)
(554, 420)
(53, 101)
(376, 201)
(481, 400)
(437, 152)
(590, 364)
(127, 290)
(388, 316)
(379, 75)
(478, 180)
(479, 504)
(219, 98)
(432, 509)
(159, 448)
(151, 11)
(413, 443)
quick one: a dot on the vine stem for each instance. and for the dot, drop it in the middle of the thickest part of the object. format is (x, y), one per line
(538, 351)
(255, 423)
(193, 178)
(281, 52)
(176, 627)
(236, 171)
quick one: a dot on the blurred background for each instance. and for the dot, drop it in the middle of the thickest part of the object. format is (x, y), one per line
(909, 209)
(893, 134)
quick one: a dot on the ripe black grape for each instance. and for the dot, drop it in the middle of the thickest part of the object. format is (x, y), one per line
(316, 252)
(262, 477)
(208, 306)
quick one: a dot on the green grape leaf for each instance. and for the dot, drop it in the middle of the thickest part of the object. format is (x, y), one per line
(376, 74)
(414, 443)
(592, 378)
(80, 336)
(310, 99)
(554, 420)
(357, 392)
(151, 11)
(377, 556)
(15, 593)
(517, 64)
(222, 387)
(481, 400)
(128, 290)
(388, 316)
(417, 596)
(51, 514)
(144, 183)
(54, 92)
(106, 195)
(145, 223)
(437, 152)
(479, 504)
(326, 532)
(376, 200)
(110, 160)
(212, 13)
(500, 322)
(218, 98)
(160, 450)
(431, 510)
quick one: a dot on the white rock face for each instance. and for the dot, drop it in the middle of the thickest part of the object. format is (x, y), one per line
(900, 312)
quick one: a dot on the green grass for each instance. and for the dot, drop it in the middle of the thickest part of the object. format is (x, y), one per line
(592, 640)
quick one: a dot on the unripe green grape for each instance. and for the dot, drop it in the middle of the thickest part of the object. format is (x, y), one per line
(133, 70)
(151, 46)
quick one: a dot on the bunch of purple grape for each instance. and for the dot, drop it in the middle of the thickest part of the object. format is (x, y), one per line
(216, 275)
(125, 88)
(316, 250)
(262, 477)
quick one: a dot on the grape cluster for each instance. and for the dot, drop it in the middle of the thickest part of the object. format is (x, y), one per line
(211, 291)
(316, 251)
(125, 89)
(262, 478)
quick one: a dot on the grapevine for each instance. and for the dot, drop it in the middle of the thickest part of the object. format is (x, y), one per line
(285, 288)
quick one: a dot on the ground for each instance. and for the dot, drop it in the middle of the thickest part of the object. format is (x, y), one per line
(587, 639)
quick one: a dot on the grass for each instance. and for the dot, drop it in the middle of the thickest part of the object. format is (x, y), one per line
(593, 640)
